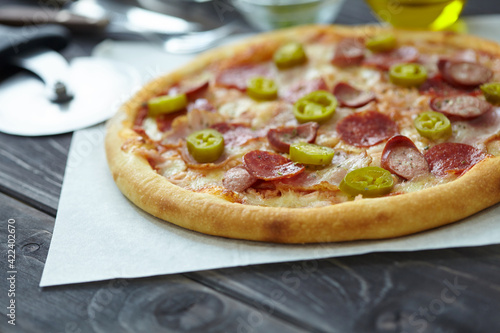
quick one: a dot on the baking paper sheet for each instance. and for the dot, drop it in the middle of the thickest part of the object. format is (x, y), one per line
(100, 235)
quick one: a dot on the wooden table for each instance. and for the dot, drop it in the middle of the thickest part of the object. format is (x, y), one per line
(452, 290)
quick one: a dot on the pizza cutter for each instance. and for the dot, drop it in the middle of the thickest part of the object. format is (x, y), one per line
(54, 96)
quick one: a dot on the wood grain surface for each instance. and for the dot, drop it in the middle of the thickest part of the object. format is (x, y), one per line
(441, 291)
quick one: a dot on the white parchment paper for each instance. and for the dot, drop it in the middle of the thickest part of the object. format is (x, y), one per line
(100, 235)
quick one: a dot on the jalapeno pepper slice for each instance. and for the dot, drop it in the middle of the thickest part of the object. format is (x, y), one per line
(261, 88)
(309, 153)
(317, 106)
(381, 43)
(289, 55)
(491, 92)
(433, 125)
(166, 104)
(369, 181)
(206, 145)
(408, 75)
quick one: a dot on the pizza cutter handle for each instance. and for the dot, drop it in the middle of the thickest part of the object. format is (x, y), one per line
(15, 41)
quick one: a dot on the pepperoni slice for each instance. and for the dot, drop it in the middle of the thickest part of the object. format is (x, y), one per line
(453, 158)
(463, 106)
(303, 88)
(236, 134)
(348, 52)
(351, 97)
(281, 138)
(436, 85)
(238, 179)
(365, 129)
(237, 77)
(384, 60)
(270, 166)
(463, 73)
(402, 157)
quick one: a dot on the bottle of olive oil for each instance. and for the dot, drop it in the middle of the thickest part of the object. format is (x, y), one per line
(418, 14)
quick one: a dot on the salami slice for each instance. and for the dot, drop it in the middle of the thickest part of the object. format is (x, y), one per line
(236, 134)
(238, 179)
(463, 106)
(281, 138)
(303, 88)
(453, 158)
(384, 60)
(348, 52)
(463, 73)
(437, 86)
(365, 129)
(351, 97)
(237, 77)
(402, 157)
(270, 166)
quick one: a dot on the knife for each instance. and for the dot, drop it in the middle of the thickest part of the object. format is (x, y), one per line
(93, 16)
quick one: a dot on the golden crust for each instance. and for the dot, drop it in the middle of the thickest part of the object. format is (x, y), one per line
(377, 218)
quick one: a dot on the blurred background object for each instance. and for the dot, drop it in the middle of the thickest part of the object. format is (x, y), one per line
(418, 14)
(275, 14)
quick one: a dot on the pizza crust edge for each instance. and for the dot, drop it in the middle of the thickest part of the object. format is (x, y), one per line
(377, 218)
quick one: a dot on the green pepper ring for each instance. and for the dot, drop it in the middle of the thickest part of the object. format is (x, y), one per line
(167, 104)
(491, 92)
(369, 181)
(262, 88)
(289, 55)
(408, 75)
(206, 145)
(309, 153)
(381, 43)
(433, 125)
(317, 106)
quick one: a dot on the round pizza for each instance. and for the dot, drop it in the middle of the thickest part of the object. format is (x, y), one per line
(317, 134)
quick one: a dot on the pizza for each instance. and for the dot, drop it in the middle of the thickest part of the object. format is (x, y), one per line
(316, 134)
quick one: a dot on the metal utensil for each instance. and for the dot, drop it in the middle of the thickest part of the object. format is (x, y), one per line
(15, 15)
(131, 19)
(199, 41)
(177, 35)
(156, 27)
(92, 16)
(60, 97)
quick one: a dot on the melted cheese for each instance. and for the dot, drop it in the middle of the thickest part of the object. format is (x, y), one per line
(151, 128)
(401, 104)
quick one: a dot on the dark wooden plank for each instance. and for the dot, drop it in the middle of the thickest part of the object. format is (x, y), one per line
(159, 304)
(32, 169)
(428, 291)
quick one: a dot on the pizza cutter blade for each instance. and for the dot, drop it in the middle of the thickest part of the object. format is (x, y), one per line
(55, 96)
